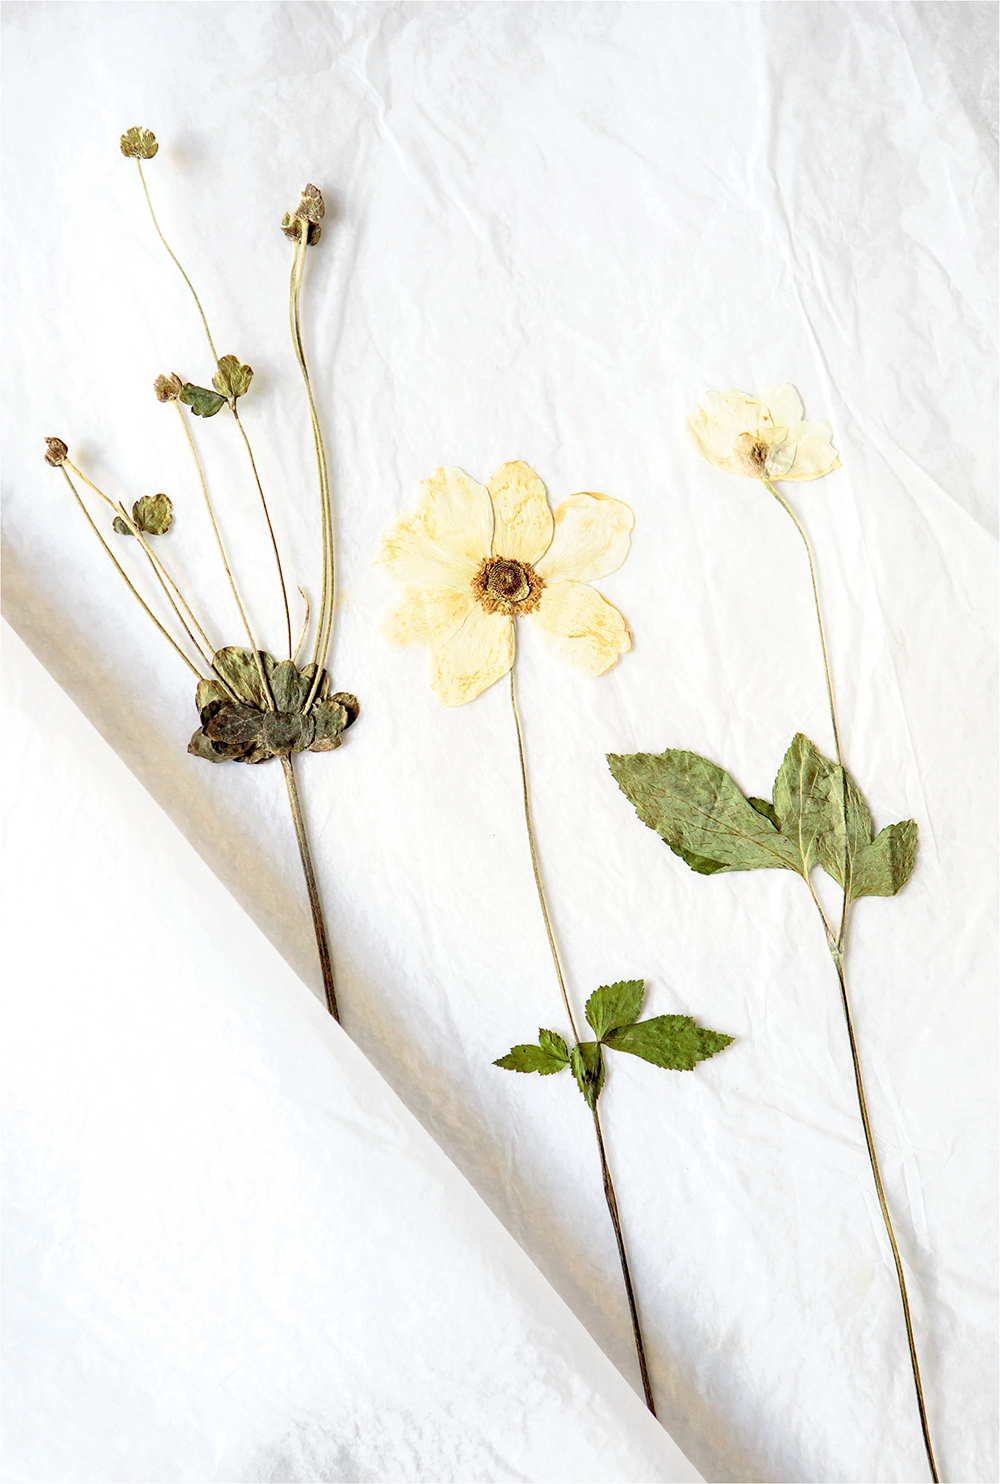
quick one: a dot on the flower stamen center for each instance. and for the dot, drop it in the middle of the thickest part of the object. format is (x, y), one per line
(503, 585)
(751, 454)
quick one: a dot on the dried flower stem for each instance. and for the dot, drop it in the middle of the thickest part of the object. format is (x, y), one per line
(127, 581)
(837, 945)
(324, 624)
(166, 244)
(315, 901)
(254, 649)
(609, 1189)
(270, 528)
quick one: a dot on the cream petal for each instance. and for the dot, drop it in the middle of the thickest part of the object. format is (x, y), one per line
(475, 656)
(592, 538)
(523, 526)
(815, 454)
(717, 423)
(581, 628)
(427, 615)
(444, 539)
(784, 404)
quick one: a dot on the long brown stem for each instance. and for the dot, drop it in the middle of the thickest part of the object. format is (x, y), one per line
(883, 1206)
(315, 903)
(609, 1189)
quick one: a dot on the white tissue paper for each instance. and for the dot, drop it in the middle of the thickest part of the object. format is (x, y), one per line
(551, 228)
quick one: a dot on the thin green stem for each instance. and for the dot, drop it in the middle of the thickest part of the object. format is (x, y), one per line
(819, 617)
(315, 902)
(838, 963)
(324, 624)
(609, 1189)
(254, 649)
(127, 581)
(177, 261)
(267, 517)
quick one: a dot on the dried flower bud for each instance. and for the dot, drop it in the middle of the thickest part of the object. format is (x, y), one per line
(139, 144)
(168, 388)
(56, 452)
(310, 209)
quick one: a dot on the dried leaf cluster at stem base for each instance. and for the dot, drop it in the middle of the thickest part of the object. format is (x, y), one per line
(240, 724)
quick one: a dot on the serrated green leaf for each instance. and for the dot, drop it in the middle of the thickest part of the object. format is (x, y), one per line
(613, 1005)
(808, 799)
(121, 526)
(153, 513)
(549, 1056)
(588, 1069)
(697, 808)
(201, 401)
(765, 807)
(554, 1044)
(232, 379)
(676, 1042)
(884, 866)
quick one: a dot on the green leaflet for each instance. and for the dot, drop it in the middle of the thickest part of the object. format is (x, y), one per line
(201, 401)
(697, 808)
(153, 513)
(765, 807)
(884, 866)
(808, 799)
(232, 379)
(238, 669)
(588, 1069)
(672, 1041)
(121, 526)
(550, 1055)
(614, 1005)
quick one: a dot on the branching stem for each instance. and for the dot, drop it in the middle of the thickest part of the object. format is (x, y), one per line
(609, 1189)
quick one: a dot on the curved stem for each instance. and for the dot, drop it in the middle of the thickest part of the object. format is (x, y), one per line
(609, 1189)
(267, 517)
(819, 617)
(315, 903)
(127, 581)
(324, 625)
(884, 1208)
(166, 244)
(254, 648)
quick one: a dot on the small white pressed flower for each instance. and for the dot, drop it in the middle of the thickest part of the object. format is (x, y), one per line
(764, 438)
(472, 558)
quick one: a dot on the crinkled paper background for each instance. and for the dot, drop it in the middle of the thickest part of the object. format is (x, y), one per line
(553, 227)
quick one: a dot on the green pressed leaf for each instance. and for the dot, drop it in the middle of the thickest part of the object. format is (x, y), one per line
(765, 807)
(121, 526)
(138, 143)
(613, 1005)
(232, 379)
(208, 698)
(200, 746)
(884, 866)
(331, 720)
(550, 1055)
(697, 808)
(588, 1069)
(672, 1041)
(289, 688)
(808, 800)
(201, 401)
(154, 513)
(238, 669)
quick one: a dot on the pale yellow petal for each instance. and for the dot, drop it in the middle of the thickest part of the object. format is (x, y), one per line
(784, 404)
(427, 615)
(815, 454)
(581, 628)
(719, 420)
(475, 656)
(523, 526)
(445, 538)
(592, 538)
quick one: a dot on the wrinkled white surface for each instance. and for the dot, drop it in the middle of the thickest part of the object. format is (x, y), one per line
(555, 227)
(232, 1253)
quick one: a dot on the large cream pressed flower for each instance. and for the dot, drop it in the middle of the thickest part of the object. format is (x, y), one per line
(765, 438)
(471, 558)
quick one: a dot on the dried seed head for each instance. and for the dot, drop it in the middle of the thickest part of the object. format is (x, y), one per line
(310, 209)
(168, 388)
(139, 144)
(56, 452)
(505, 586)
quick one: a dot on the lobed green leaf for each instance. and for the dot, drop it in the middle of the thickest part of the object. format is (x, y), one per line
(614, 1005)
(884, 866)
(676, 1042)
(588, 1069)
(153, 513)
(201, 401)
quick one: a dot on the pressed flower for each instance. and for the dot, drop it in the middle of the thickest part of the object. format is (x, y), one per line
(763, 438)
(472, 558)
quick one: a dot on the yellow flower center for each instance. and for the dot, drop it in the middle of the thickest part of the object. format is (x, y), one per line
(750, 454)
(503, 585)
